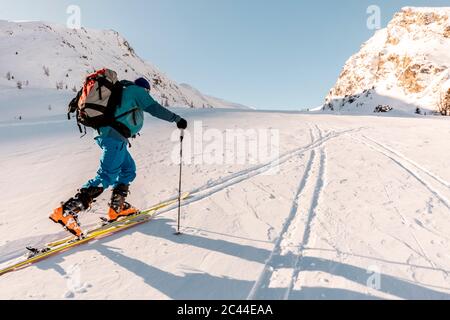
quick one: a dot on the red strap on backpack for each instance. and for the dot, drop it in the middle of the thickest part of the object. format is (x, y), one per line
(89, 84)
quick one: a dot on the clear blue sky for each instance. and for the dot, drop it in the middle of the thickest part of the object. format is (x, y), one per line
(282, 54)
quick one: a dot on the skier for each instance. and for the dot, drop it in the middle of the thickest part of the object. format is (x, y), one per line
(117, 167)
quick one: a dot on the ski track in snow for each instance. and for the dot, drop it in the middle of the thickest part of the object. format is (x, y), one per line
(289, 230)
(264, 278)
(400, 160)
(244, 175)
(411, 171)
(399, 155)
(261, 288)
(320, 184)
(406, 222)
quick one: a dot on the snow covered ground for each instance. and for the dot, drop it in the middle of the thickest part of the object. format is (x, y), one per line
(359, 209)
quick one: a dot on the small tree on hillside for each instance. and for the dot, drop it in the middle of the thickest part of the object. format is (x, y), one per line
(444, 104)
(60, 85)
(46, 71)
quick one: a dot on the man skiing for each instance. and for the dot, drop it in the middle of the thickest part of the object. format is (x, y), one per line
(117, 167)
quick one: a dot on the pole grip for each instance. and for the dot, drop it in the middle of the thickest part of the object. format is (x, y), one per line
(181, 134)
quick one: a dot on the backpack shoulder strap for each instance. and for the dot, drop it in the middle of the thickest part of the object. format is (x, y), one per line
(103, 82)
(73, 105)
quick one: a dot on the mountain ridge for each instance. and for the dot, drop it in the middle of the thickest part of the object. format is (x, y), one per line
(70, 54)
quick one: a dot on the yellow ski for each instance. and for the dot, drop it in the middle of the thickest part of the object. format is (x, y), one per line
(99, 233)
(159, 206)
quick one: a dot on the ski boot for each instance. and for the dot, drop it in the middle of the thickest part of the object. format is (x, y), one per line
(67, 214)
(118, 206)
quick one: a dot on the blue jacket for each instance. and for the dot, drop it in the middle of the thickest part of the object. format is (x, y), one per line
(137, 99)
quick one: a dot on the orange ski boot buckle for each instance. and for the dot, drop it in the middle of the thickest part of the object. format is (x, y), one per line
(69, 222)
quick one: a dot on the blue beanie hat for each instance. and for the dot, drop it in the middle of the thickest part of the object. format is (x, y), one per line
(142, 82)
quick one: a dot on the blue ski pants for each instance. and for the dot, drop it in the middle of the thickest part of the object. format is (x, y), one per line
(116, 164)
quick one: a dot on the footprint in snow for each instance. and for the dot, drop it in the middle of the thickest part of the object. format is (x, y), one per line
(73, 282)
(419, 223)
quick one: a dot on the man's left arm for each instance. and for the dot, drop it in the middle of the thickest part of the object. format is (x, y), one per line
(155, 109)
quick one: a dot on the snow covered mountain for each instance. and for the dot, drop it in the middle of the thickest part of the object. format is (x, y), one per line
(404, 66)
(48, 56)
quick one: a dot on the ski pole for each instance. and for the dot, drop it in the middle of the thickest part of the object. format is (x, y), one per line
(179, 185)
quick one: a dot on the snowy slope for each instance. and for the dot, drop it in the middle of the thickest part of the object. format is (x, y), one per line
(209, 101)
(348, 200)
(405, 65)
(33, 103)
(44, 55)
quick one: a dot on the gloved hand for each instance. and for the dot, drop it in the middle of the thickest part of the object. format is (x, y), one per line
(182, 124)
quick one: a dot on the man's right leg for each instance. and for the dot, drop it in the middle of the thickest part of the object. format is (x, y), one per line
(118, 206)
